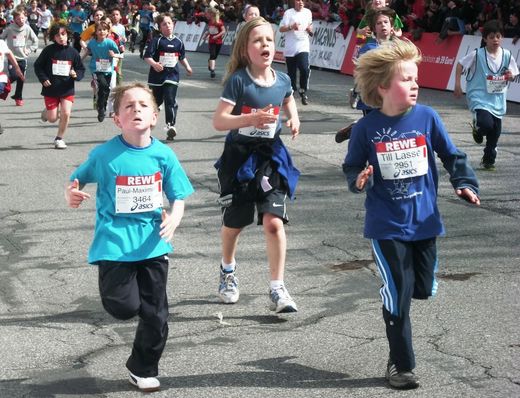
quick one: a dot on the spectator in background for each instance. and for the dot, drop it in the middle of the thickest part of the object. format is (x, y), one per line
(431, 21)
(512, 28)
(453, 21)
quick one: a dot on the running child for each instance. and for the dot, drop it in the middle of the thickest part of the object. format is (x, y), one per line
(22, 41)
(163, 55)
(58, 67)
(380, 21)
(45, 21)
(255, 168)
(133, 230)
(5, 83)
(215, 34)
(488, 72)
(103, 51)
(391, 157)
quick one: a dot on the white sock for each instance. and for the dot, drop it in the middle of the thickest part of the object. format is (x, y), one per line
(276, 284)
(228, 267)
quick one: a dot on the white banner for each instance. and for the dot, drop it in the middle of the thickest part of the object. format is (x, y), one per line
(328, 47)
(190, 34)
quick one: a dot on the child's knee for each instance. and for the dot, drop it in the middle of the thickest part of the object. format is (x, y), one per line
(120, 309)
(272, 224)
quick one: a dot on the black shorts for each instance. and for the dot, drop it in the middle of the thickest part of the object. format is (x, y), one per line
(214, 50)
(239, 216)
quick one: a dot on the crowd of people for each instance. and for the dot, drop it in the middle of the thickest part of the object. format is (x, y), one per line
(397, 170)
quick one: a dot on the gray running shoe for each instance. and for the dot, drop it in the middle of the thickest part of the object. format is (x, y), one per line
(228, 287)
(281, 301)
(401, 379)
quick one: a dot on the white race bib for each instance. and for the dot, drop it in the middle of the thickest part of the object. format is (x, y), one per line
(403, 158)
(103, 65)
(268, 131)
(19, 40)
(168, 60)
(496, 84)
(61, 68)
(139, 194)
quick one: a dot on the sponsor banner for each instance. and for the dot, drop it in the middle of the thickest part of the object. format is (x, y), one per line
(470, 43)
(190, 34)
(438, 60)
(227, 45)
(327, 47)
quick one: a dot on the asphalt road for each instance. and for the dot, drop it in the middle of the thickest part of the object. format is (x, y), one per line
(57, 341)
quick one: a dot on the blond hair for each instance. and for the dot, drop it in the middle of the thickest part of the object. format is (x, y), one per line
(118, 93)
(215, 13)
(239, 58)
(377, 67)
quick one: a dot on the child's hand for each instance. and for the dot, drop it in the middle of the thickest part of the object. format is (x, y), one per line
(167, 226)
(363, 177)
(189, 71)
(509, 75)
(468, 195)
(264, 116)
(294, 125)
(74, 196)
(73, 74)
(46, 83)
(158, 67)
(457, 91)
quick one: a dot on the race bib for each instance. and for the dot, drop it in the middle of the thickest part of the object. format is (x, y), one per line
(61, 68)
(138, 194)
(168, 60)
(19, 40)
(496, 84)
(268, 131)
(33, 17)
(403, 158)
(103, 65)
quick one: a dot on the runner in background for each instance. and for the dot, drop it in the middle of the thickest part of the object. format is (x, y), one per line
(215, 35)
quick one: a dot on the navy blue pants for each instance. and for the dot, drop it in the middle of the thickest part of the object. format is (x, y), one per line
(103, 90)
(408, 271)
(22, 63)
(167, 93)
(138, 288)
(489, 126)
(299, 63)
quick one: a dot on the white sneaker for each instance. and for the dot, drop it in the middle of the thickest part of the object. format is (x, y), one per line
(59, 144)
(281, 301)
(146, 384)
(228, 287)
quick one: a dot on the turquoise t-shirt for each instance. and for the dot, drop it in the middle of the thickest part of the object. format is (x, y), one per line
(130, 185)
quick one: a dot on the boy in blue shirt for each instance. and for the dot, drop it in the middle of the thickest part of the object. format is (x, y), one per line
(391, 156)
(489, 71)
(103, 51)
(133, 231)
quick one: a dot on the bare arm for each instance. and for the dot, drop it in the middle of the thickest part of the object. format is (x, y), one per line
(458, 74)
(293, 120)
(223, 120)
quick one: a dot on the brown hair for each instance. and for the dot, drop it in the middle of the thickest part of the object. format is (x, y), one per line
(119, 91)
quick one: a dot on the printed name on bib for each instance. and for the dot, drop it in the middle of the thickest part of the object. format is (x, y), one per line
(403, 158)
(138, 194)
(251, 131)
(61, 68)
(103, 65)
(169, 60)
(496, 84)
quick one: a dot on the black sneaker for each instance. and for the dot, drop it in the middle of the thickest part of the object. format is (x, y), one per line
(401, 379)
(474, 132)
(212, 74)
(487, 165)
(171, 133)
(1, 129)
(101, 116)
(305, 99)
(344, 133)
